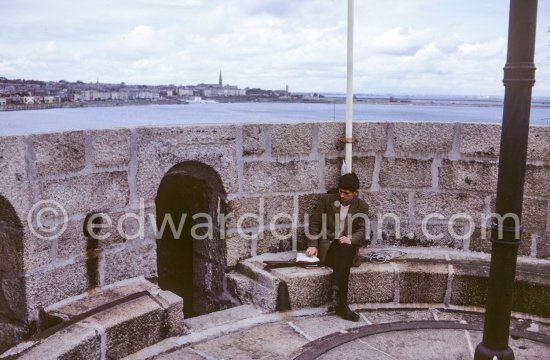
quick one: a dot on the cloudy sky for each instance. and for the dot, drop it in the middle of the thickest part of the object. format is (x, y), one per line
(401, 46)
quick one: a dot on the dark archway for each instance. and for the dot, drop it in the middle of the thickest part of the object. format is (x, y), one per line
(11, 261)
(190, 260)
(13, 307)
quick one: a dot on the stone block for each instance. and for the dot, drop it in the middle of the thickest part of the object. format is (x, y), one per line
(37, 259)
(110, 147)
(412, 235)
(237, 248)
(130, 262)
(74, 242)
(480, 139)
(58, 153)
(262, 176)
(249, 291)
(136, 225)
(89, 193)
(385, 316)
(480, 241)
(468, 175)
(469, 285)
(371, 284)
(537, 181)
(131, 326)
(539, 143)
(405, 173)
(78, 341)
(156, 158)
(371, 136)
(254, 137)
(279, 210)
(305, 288)
(255, 270)
(291, 139)
(256, 211)
(14, 184)
(222, 317)
(99, 297)
(450, 204)
(276, 240)
(173, 313)
(448, 235)
(439, 344)
(329, 135)
(530, 298)
(543, 246)
(270, 341)
(421, 283)
(411, 138)
(306, 204)
(47, 288)
(534, 214)
(188, 135)
(362, 166)
(387, 202)
(393, 231)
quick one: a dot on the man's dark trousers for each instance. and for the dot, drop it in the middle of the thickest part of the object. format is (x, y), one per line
(340, 259)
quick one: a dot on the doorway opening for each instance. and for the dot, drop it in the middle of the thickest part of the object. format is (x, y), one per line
(13, 312)
(189, 205)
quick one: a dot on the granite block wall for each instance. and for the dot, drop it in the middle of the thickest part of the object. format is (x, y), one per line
(416, 178)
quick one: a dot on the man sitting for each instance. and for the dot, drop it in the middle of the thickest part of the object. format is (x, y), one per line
(336, 230)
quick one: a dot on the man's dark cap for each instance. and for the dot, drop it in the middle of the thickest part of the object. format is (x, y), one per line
(349, 182)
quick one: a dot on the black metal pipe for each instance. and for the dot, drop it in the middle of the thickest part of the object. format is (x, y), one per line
(519, 78)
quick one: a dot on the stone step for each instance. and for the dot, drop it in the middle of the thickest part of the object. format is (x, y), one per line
(222, 317)
(415, 277)
(108, 323)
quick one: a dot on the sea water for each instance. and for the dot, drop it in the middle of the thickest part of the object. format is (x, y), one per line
(64, 119)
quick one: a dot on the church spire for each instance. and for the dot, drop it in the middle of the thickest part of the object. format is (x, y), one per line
(220, 82)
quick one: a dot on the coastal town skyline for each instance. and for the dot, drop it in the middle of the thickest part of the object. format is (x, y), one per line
(416, 47)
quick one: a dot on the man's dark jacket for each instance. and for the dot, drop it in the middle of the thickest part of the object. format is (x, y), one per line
(329, 206)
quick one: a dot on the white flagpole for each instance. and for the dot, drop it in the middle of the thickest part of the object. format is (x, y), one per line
(349, 91)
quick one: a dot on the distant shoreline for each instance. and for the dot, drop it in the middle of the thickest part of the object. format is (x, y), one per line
(248, 99)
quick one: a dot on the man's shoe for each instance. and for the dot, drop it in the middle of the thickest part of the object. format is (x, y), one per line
(345, 313)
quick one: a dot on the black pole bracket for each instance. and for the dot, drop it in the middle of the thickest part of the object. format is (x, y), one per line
(507, 229)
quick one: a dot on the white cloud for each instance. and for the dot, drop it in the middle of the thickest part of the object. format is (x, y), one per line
(400, 45)
(401, 41)
(489, 49)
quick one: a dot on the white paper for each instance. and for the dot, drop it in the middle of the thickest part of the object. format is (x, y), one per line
(301, 257)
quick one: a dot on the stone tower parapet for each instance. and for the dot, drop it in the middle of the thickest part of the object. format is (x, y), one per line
(274, 171)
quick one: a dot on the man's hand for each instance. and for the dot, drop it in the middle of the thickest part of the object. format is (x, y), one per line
(311, 251)
(344, 240)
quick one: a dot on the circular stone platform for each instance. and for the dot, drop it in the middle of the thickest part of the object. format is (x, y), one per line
(382, 333)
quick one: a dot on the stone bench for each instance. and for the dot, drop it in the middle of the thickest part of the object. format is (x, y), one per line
(111, 322)
(431, 276)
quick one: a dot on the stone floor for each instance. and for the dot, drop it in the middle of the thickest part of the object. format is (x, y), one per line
(247, 334)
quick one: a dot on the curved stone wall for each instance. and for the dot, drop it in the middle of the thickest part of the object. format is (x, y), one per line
(273, 171)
